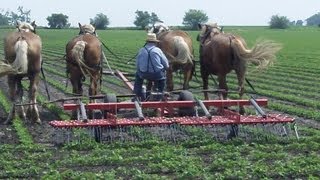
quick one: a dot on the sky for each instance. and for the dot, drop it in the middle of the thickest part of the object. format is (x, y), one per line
(121, 13)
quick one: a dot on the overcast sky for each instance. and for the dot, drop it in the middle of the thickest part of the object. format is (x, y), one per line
(122, 12)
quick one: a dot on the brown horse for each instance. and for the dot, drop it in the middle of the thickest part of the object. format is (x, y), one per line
(221, 53)
(177, 46)
(83, 57)
(23, 52)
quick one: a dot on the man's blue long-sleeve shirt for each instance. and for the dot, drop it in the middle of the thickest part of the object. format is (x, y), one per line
(157, 58)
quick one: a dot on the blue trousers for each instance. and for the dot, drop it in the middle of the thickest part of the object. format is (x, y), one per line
(159, 84)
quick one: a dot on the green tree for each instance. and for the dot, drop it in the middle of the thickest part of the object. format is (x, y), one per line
(24, 15)
(21, 15)
(58, 21)
(193, 17)
(143, 18)
(279, 22)
(299, 23)
(313, 20)
(4, 19)
(100, 21)
(154, 18)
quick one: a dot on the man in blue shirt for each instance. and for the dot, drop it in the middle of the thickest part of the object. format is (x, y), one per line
(151, 65)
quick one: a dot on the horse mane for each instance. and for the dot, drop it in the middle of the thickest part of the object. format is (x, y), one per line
(25, 27)
(87, 29)
(159, 27)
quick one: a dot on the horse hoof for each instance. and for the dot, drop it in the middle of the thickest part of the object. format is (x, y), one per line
(38, 121)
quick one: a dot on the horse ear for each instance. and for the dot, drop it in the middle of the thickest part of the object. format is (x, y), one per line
(199, 25)
(34, 24)
(18, 23)
(146, 28)
(79, 25)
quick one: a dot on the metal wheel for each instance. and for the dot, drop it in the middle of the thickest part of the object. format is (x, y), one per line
(109, 98)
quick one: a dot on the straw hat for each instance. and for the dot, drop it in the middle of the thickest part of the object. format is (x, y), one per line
(151, 37)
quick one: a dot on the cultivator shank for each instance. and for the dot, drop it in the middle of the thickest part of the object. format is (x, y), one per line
(225, 124)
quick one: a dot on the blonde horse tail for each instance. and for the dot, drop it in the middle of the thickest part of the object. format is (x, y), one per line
(184, 55)
(78, 52)
(78, 55)
(20, 64)
(263, 54)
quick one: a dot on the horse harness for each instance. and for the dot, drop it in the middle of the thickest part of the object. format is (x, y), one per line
(94, 67)
(97, 67)
(203, 38)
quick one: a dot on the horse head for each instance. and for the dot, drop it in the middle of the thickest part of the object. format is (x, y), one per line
(208, 30)
(26, 27)
(87, 29)
(158, 27)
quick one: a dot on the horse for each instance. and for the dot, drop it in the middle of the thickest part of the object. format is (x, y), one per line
(177, 46)
(220, 53)
(83, 59)
(22, 50)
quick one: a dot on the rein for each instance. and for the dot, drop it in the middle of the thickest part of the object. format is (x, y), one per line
(45, 81)
(135, 55)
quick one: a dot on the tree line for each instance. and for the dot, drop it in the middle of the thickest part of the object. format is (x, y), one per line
(142, 19)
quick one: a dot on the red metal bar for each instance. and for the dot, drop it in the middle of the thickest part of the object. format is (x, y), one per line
(124, 79)
(156, 121)
(164, 104)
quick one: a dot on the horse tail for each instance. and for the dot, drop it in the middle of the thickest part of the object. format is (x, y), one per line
(262, 54)
(184, 55)
(20, 64)
(78, 52)
(6, 69)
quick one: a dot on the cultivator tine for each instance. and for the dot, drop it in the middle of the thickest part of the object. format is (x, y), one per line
(257, 107)
(138, 109)
(83, 113)
(296, 130)
(203, 107)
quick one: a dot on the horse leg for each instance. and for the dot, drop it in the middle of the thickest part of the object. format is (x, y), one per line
(75, 79)
(93, 90)
(205, 85)
(241, 77)
(93, 86)
(12, 92)
(223, 86)
(187, 76)
(170, 79)
(33, 112)
(19, 93)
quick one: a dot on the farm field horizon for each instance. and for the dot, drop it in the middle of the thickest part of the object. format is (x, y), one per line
(291, 85)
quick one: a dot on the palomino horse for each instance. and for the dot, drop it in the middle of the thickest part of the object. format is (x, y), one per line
(177, 46)
(221, 53)
(83, 58)
(23, 52)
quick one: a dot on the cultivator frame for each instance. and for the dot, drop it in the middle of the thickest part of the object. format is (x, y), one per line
(167, 114)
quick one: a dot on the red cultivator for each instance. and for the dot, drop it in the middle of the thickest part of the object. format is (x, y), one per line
(116, 118)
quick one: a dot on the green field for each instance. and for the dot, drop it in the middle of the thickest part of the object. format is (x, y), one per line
(292, 86)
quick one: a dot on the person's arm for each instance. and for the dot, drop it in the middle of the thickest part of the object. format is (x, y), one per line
(164, 60)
